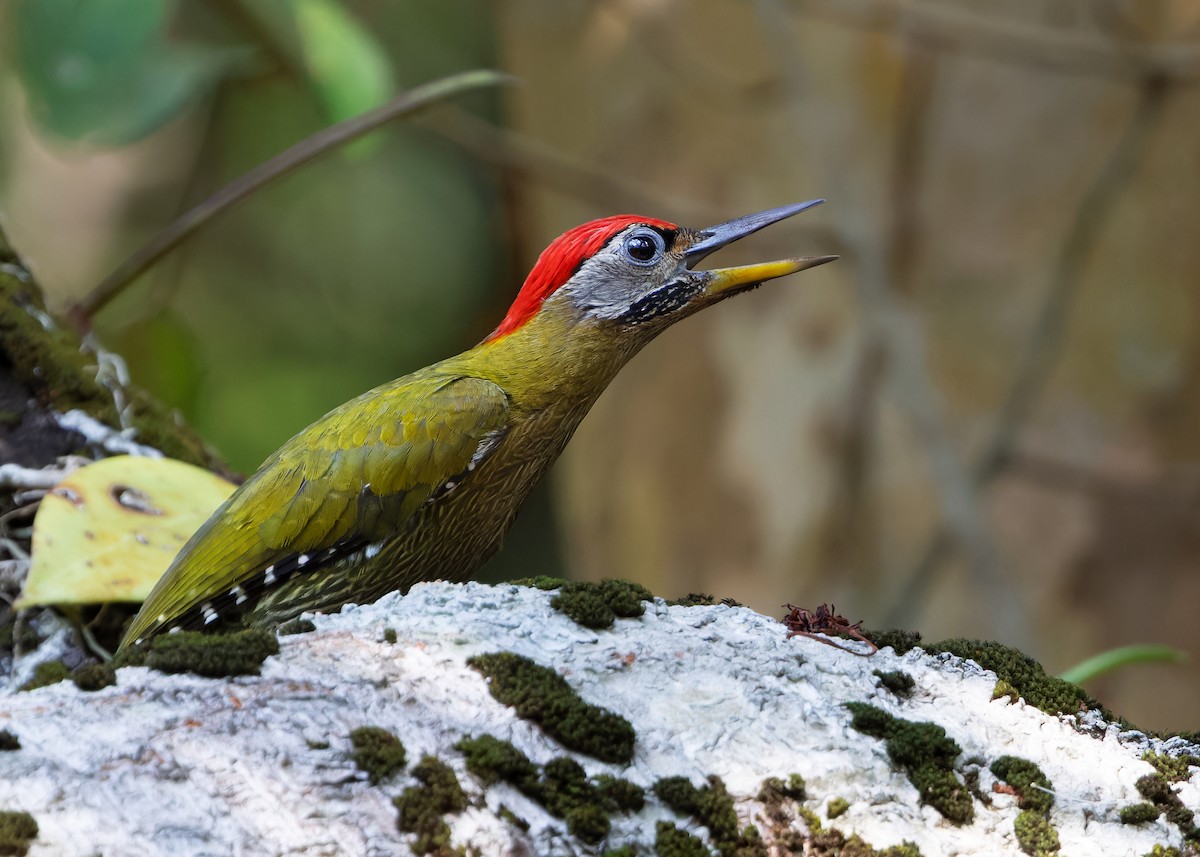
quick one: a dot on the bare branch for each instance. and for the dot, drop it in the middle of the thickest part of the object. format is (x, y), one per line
(290, 159)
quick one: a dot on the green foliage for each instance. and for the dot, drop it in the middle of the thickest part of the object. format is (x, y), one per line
(597, 605)
(1020, 675)
(17, 830)
(45, 674)
(348, 69)
(541, 695)
(389, 635)
(106, 72)
(900, 683)
(1026, 777)
(422, 809)
(925, 753)
(377, 752)
(1123, 656)
(90, 677)
(212, 655)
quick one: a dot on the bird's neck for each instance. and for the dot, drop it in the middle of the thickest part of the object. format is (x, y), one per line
(553, 359)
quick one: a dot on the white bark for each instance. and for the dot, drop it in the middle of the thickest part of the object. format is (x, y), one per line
(182, 765)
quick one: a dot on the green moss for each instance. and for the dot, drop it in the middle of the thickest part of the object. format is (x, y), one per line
(811, 820)
(212, 655)
(597, 605)
(1174, 768)
(296, 626)
(899, 641)
(925, 753)
(618, 795)
(904, 849)
(623, 851)
(1035, 834)
(711, 806)
(703, 599)
(900, 683)
(389, 635)
(837, 806)
(563, 787)
(1156, 789)
(1020, 675)
(774, 790)
(377, 752)
(694, 599)
(541, 695)
(506, 814)
(542, 581)
(1164, 851)
(17, 830)
(491, 760)
(8, 741)
(53, 366)
(91, 677)
(45, 674)
(670, 841)
(1139, 813)
(1032, 786)
(422, 809)
(834, 843)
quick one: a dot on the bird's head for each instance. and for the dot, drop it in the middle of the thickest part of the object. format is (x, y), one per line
(636, 275)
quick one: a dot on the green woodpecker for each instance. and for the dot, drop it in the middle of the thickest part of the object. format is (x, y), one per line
(421, 478)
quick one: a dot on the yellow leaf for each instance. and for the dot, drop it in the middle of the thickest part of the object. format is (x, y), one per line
(109, 530)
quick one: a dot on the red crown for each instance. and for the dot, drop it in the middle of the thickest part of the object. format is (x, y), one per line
(559, 262)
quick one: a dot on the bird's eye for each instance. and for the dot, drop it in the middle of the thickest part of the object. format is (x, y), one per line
(644, 247)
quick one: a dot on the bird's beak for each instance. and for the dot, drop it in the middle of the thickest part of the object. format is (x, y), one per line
(721, 280)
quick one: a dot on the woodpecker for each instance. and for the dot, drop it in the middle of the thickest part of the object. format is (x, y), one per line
(421, 478)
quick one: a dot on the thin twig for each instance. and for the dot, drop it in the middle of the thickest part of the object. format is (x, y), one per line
(306, 150)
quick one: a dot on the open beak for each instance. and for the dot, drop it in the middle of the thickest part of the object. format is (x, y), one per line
(721, 280)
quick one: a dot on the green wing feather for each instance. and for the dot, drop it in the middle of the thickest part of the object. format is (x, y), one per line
(401, 442)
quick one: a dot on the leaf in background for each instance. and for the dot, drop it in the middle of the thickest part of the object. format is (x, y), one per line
(103, 70)
(348, 68)
(109, 530)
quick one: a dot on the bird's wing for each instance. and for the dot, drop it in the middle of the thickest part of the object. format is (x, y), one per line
(352, 478)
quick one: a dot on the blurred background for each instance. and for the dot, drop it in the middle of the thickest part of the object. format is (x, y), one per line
(983, 421)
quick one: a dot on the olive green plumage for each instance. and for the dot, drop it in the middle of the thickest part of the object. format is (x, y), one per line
(421, 478)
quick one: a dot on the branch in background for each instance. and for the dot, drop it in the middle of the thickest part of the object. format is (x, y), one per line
(323, 141)
(1045, 343)
(1007, 41)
